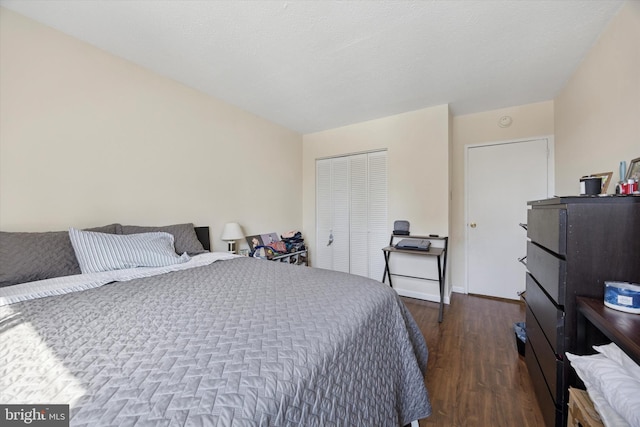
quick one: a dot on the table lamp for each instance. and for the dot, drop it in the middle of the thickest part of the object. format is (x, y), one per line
(230, 233)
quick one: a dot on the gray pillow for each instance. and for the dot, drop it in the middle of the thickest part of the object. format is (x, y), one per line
(98, 252)
(26, 257)
(185, 236)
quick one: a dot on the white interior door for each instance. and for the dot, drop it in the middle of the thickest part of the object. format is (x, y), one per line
(501, 179)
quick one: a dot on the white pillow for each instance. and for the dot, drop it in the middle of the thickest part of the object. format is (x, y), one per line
(98, 252)
(614, 352)
(619, 388)
(608, 416)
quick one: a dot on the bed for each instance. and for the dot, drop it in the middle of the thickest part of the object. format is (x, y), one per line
(218, 340)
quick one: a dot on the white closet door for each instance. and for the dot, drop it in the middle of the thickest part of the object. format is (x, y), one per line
(377, 208)
(324, 213)
(359, 219)
(340, 192)
(351, 213)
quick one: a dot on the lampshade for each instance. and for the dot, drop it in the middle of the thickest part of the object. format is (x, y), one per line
(232, 231)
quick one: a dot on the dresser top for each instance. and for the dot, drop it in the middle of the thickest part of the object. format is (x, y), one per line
(609, 198)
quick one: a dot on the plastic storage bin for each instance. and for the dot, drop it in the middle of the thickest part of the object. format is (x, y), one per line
(521, 336)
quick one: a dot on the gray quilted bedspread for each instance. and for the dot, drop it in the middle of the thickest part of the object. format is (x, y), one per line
(243, 342)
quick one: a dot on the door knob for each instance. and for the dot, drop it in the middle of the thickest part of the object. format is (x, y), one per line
(330, 238)
(472, 225)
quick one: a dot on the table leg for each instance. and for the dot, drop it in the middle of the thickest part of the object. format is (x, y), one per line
(386, 273)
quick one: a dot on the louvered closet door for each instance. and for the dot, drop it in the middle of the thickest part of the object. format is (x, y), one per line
(332, 214)
(351, 206)
(359, 218)
(377, 207)
(324, 216)
(340, 200)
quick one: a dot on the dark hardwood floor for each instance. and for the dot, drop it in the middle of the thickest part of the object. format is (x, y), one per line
(475, 376)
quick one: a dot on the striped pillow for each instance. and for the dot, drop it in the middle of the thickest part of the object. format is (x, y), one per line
(104, 252)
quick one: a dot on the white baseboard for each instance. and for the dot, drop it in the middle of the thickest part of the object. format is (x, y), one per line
(422, 295)
(458, 290)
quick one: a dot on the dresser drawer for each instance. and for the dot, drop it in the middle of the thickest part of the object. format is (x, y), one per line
(550, 318)
(548, 228)
(549, 271)
(551, 367)
(552, 416)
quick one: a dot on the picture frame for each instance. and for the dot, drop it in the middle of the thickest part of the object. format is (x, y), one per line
(634, 170)
(254, 241)
(269, 238)
(261, 240)
(606, 179)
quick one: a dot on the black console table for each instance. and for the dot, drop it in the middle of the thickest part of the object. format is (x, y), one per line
(621, 328)
(439, 253)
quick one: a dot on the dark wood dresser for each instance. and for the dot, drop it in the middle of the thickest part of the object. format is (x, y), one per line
(575, 245)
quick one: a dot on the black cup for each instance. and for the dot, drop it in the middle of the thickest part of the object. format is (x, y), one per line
(591, 185)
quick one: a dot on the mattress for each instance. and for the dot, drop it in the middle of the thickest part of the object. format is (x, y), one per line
(240, 342)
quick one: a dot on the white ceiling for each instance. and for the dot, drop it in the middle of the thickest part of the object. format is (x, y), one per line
(316, 65)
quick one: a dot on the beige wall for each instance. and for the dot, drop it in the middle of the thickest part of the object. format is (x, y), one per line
(597, 114)
(529, 120)
(418, 159)
(87, 138)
